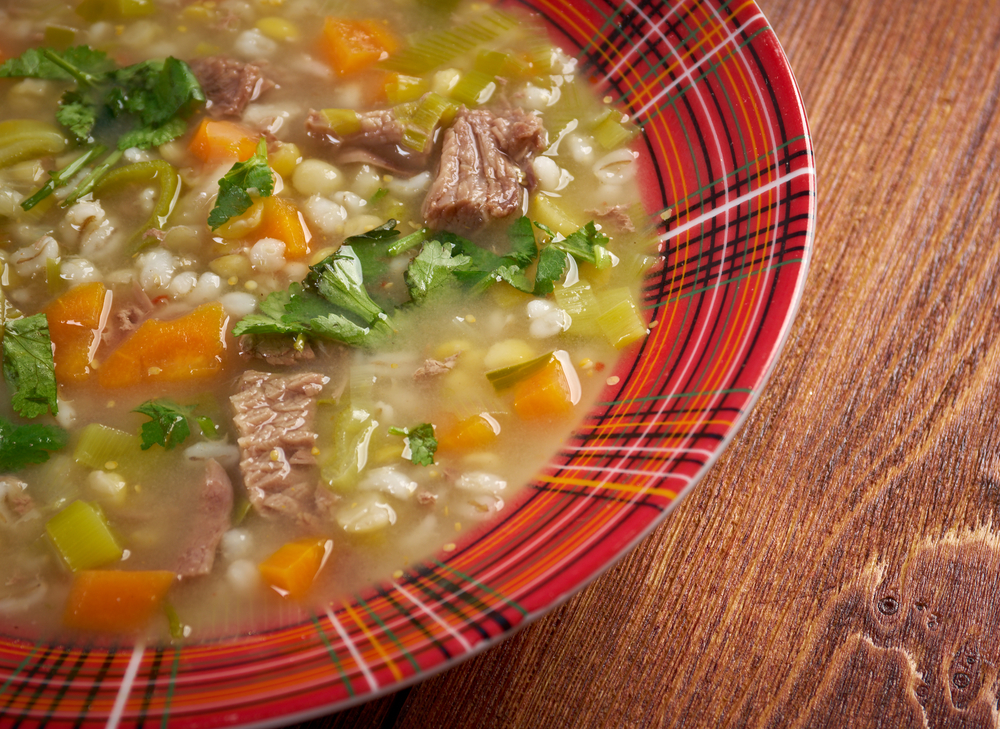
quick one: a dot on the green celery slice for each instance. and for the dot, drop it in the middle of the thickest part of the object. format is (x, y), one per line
(504, 377)
(619, 318)
(82, 537)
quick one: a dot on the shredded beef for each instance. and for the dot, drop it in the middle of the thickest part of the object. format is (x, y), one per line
(379, 142)
(616, 215)
(275, 350)
(432, 368)
(484, 158)
(229, 85)
(274, 419)
(210, 519)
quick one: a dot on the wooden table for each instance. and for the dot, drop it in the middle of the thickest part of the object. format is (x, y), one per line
(840, 565)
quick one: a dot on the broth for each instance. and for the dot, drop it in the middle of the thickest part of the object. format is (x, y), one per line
(427, 352)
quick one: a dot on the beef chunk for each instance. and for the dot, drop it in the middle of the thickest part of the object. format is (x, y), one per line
(274, 419)
(432, 368)
(229, 85)
(275, 350)
(484, 158)
(210, 519)
(616, 215)
(378, 142)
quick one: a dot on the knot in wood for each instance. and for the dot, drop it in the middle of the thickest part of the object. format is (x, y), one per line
(888, 605)
(961, 680)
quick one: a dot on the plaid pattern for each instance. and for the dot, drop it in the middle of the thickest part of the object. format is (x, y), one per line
(728, 161)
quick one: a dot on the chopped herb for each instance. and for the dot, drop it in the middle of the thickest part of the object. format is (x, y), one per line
(423, 445)
(23, 445)
(142, 105)
(168, 425)
(433, 269)
(252, 176)
(28, 367)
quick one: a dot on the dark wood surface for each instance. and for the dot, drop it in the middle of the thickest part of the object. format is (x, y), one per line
(840, 565)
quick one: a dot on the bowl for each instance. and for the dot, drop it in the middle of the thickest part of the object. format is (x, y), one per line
(729, 173)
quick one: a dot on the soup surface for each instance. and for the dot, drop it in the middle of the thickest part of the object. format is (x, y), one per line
(293, 297)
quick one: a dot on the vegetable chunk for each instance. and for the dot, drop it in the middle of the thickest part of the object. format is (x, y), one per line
(113, 601)
(293, 568)
(188, 348)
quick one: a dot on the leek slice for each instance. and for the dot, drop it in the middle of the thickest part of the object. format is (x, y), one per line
(82, 536)
(21, 139)
(504, 377)
(619, 318)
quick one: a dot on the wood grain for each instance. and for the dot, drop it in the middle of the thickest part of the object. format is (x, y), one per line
(840, 565)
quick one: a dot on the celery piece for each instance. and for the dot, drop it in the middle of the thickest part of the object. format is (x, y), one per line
(348, 455)
(54, 482)
(546, 211)
(159, 171)
(100, 446)
(82, 536)
(401, 88)
(474, 88)
(504, 377)
(581, 304)
(611, 132)
(432, 110)
(342, 122)
(59, 37)
(111, 10)
(439, 47)
(619, 318)
(21, 139)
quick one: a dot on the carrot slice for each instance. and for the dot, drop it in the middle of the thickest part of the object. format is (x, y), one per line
(352, 45)
(466, 435)
(76, 323)
(283, 221)
(544, 395)
(293, 568)
(115, 601)
(188, 348)
(218, 140)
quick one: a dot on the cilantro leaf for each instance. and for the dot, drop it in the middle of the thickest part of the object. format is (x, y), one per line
(338, 278)
(168, 425)
(86, 63)
(423, 445)
(551, 266)
(522, 241)
(585, 244)
(235, 187)
(23, 445)
(153, 136)
(433, 269)
(28, 367)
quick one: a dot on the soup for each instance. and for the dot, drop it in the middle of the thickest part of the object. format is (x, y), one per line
(293, 298)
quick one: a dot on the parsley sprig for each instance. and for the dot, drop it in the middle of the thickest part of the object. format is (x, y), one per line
(423, 445)
(110, 108)
(169, 425)
(253, 176)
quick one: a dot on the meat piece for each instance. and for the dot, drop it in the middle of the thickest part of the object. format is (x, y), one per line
(379, 142)
(15, 502)
(229, 85)
(274, 419)
(484, 158)
(432, 368)
(278, 351)
(210, 519)
(615, 215)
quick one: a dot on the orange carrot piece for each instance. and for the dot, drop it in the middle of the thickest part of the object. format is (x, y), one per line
(293, 568)
(544, 395)
(115, 601)
(218, 140)
(283, 221)
(465, 435)
(76, 323)
(352, 45)
(191, 347)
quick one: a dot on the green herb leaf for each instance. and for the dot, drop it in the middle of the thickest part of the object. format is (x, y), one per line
(423, 444)
(23, 445)
(28, 367)
(522, 241)
(168, 425)
(85, 62)
(339, 279)
(252, 176)
(433, 269)
(551, 266)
